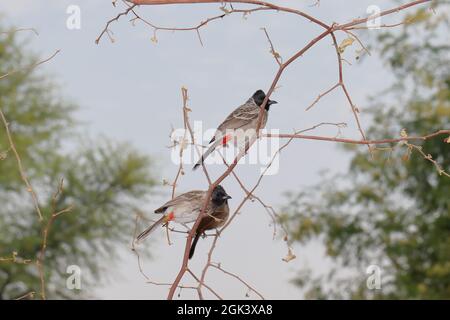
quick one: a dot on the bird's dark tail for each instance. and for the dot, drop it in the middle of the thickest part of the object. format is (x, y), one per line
(206, 154)
(194, 243)
(150, 229)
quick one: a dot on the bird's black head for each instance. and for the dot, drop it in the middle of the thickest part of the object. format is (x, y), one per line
(219, 195)
(259, 97)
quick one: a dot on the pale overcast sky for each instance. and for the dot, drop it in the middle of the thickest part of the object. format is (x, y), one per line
(129, 90)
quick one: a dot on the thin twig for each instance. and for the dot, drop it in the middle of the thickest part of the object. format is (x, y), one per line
(352, 141)
(12, 145)
(251, 288)
(45, 232)
(30, 67)
(274, 53)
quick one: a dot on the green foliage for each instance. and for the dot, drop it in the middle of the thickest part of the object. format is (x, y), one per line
(103, 181)
(393, 210)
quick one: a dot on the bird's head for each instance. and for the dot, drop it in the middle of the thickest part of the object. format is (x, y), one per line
(219, 195)
(259, 97)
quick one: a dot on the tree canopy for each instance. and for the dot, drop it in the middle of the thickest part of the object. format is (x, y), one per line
(103, 181)
(392, 211)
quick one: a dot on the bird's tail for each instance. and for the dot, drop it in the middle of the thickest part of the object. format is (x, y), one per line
(207, 153)
(194, 243)
(150, 229)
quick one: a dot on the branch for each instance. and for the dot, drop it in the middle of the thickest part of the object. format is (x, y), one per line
(254, 2)
(106, 29)
(15, 259)
(383, 13)
(274, 53)
(11, 140)
(195, 28)
(352, 141)
(219, 267)
(45, 232)
(187, 125)
(34, 65)
(33, 30)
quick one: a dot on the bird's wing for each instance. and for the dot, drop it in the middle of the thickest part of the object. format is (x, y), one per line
(192, 198)
(240, 117)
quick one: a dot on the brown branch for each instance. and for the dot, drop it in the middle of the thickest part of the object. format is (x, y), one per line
(131, 8)
(355, 110)
(428, 157)
(133, 246)
(139, 260)
(383, 13)
(363, 47)
(269, 209)
(184, 93)
(219, 267)
(197, 27)
(26, 296)
(320, 96)
(45, 232)
(206, 286)
(28, 68)
(254, 2)
(12, 145)
(352, 141)
(15, 259)
(33, 30)
(182, 147)
(383, 26)
(281, 70)
(274, 53)
(106, 28)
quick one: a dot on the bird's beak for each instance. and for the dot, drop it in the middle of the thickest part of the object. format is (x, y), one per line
(226, 197)
(273, 102)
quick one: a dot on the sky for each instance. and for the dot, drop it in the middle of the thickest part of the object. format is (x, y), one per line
(130, 90)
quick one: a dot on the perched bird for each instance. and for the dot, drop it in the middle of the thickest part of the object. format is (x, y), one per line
(244, 119)
(186, 207)
(215, 218)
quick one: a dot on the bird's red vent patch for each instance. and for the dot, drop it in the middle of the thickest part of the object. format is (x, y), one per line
(226, 139)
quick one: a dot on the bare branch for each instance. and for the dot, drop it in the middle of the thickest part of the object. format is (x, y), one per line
(352, 141)
(45, 232)
(251, 288)
(11, 140)
(274, 53)
(28, 68)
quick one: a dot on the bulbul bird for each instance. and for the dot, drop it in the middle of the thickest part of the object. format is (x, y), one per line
(186, 207)
(244, 119)
(215, 218)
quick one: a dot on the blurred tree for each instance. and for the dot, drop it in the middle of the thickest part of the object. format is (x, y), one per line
(392, 211)
(101, 180)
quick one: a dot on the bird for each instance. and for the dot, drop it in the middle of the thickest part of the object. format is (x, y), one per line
(244, 118)
(215, 218)
(185, 208)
